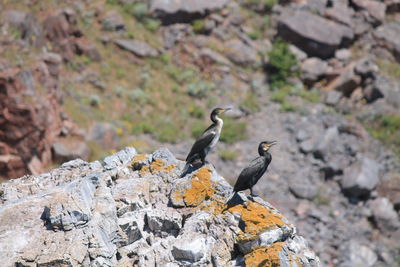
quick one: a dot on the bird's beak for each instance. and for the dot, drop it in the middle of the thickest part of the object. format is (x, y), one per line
(226, 109)
(273, 143)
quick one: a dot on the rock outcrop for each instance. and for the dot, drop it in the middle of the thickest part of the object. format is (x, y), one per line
(133, 209)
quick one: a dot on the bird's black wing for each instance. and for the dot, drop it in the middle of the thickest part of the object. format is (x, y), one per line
(256, 168)
(201, 143)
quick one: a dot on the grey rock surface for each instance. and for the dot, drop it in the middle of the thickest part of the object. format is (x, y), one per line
(314, 34)
(388, 36)
(121, 212)
(184, 10)
(139, 48)
(361, 178)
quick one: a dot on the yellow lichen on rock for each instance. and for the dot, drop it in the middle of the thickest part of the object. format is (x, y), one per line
(139, 158)
(257, 218)
(264, 256)
(201, 188)
(157, 165)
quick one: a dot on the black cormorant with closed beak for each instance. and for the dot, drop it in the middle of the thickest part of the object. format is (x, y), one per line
(257, 167)
(207, 141)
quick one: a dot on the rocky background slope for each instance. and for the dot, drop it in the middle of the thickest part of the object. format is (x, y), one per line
(134, 210)
(84, 78)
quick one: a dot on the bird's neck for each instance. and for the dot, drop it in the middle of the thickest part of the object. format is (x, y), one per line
(217, 120)
(263, 153)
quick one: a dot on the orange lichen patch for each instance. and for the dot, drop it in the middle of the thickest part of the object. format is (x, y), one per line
(215, 206)
(257, 218)
(201, 188)
(264, 256)
(159, 165)
(156, 165)
(139, 158)
(138, 161)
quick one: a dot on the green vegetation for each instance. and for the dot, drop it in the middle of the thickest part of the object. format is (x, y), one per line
(198, 25)
(233, 131)
(228, 154)
(321, 199)
(251, 102)
(196, 111)
(288, 107)
(282, 64)
(389, 68)
(386, 128)
(279, 96)
(197, 128)
(167, 132)
(267, 4)
(143, 127)
(152, 24)
(138, 10)
(199, 89)
(95, 100)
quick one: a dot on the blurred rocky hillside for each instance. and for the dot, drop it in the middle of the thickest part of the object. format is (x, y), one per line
(81, 79)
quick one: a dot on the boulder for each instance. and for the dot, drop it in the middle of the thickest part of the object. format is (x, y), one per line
(112, 21)
(332, 98)
(139, 48)
(389, 89)
(343, 55)
(315, 35)
(357, 254)
(69, 148)
(104, 134)
(312, 69)
(326, 142)
(374, 10)
(26, 23)
(341, 13)
(241, 53)
(366, 68)
(301, 186)
(388, 36)
(384, 215)
(392, 6)
(214, 57)
(389, 188)
(181, 11)
(346, 82)
(119, 213)
(360, 178)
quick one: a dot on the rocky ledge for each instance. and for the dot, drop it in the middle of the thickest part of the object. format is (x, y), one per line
(133, 210)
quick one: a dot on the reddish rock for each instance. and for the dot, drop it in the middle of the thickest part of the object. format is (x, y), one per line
(30, 119)
(61, 30)
(347, 81)
(29, 122)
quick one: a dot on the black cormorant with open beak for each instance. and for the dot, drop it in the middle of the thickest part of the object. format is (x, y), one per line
(207, 141)
(252, 173)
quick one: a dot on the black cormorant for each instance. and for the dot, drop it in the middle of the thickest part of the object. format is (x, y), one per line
(206, 141)
(252, 173)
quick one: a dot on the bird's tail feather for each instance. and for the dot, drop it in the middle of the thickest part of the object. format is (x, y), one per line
(185, 169)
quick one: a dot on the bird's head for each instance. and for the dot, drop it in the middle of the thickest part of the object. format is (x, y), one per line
(218, 111)
(265, 146)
